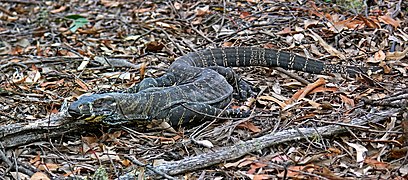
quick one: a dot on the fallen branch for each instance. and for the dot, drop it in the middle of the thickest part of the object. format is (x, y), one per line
(57, 125)
(239, 150)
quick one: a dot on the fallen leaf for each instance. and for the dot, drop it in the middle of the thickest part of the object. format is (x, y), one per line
(82, 84)
(347, 100)
(33, 75)
(255, 166)
(35, 159)
(126, 162)
(396, 55)
(234, 164)
(270, 98)
(244, 14)
(303, 92)
(20, 175)
(397, 153)
(83, 64)
(334, 150)
(39, 176)
(369, 22)
(389, 20)
(376, 164)
(360, 151)
(378, 57)
(154, 46)
(326, 46)
(310, 23)
(205, 143)
(250, 126)
(203, 11)
(48, 167)
(261, 176)
(60, 9)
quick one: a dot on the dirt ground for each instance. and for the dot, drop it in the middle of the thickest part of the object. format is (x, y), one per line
(303, 126)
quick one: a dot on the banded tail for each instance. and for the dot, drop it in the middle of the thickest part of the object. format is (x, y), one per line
(253, 56)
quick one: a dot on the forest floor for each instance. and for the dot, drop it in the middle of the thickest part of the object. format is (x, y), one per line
(52, 52)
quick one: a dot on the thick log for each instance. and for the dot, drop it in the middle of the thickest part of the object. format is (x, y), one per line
(236, 151)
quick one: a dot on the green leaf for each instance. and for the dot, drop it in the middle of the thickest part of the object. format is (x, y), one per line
(79, 21)
(101, 174)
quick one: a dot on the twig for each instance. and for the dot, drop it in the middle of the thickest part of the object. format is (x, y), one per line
(21, 1)
(135, 161)
(5, 159)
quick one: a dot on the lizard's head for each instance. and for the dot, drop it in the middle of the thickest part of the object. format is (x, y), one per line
(94, 108)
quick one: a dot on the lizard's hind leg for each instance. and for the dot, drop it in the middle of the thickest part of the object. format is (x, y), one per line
(166, 80)
(242, 89)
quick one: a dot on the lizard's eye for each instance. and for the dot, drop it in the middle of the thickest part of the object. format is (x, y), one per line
(104, 102)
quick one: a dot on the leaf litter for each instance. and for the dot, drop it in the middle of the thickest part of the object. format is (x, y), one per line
(52, 52)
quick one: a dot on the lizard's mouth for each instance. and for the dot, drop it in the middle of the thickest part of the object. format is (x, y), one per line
(88, 113)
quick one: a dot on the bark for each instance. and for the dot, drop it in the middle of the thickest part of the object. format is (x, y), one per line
(236, 151)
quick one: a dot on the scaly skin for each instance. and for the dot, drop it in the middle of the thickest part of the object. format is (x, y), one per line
(196, 87)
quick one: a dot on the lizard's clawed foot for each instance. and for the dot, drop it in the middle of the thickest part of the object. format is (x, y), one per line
(245, 90)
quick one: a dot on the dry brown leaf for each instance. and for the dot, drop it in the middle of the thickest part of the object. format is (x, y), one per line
(324, 89)
(270, 98)
(378, 57)
(91, 31)
(376, 164)
(261, 176)
(397, 153)
(60, 9)
(347, 100)
(280, 159)
(108, 3)
(396, 55)
(334, 150)
(293, 172)
(48, 167)
(310, 22)
(326, 172)
(83, 85)
(154, 46)
(326, 46)
(313, 103)
(234, 164)
(142, 10)
(39, 176)
(203, 11)
(404, 127)
(54, 111)
(244, 14)
(305, 91)
(247, 162)
(285, 31)
(389, 20)
(58, 83)
(166, 25)
(35, 159)
(255, 166)
(250, 126)
(126, 162)
(370, 22)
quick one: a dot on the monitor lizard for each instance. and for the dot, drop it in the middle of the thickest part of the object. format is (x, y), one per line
(196, 87)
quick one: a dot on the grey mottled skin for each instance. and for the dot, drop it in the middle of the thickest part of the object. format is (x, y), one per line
(196, 87)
